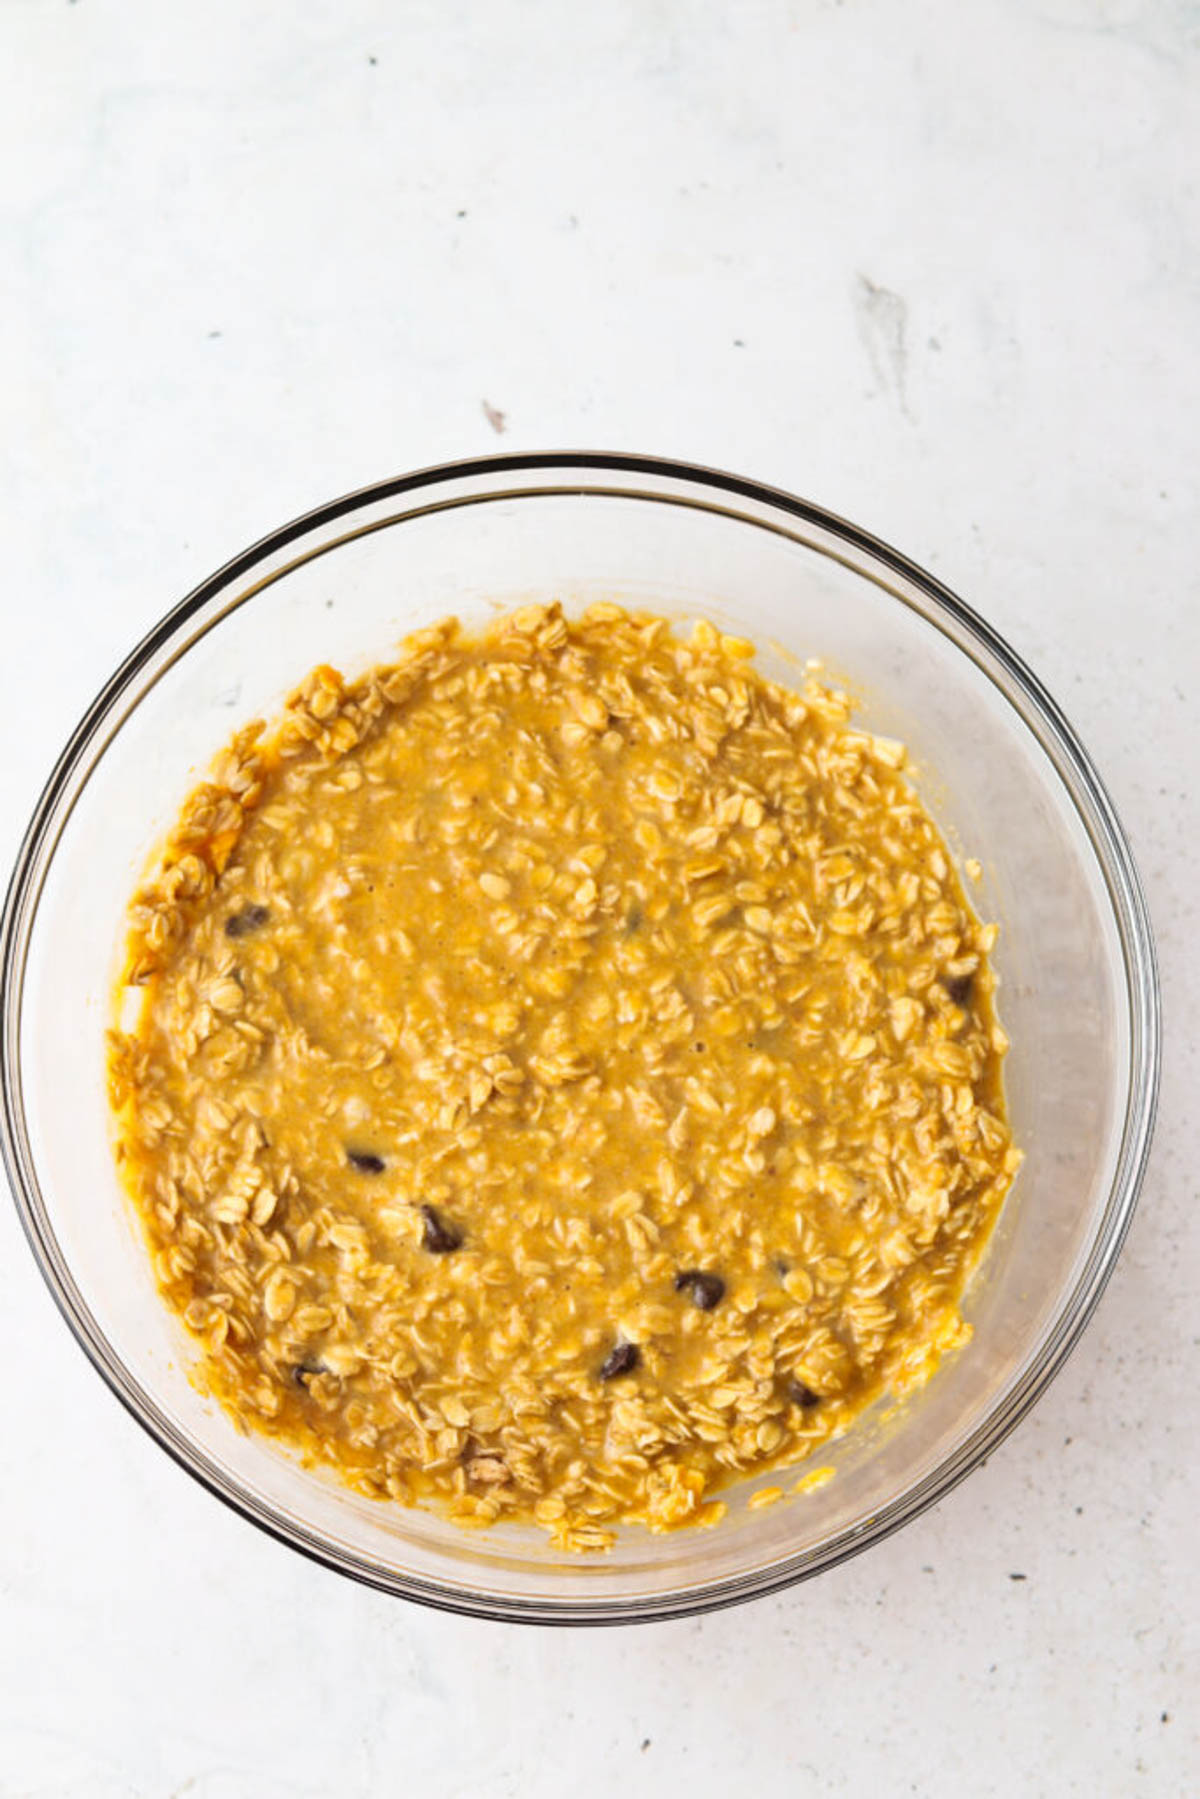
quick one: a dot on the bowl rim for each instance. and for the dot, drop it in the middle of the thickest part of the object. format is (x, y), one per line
(1040, 714)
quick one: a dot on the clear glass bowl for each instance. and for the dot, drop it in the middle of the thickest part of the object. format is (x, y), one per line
(997, 761)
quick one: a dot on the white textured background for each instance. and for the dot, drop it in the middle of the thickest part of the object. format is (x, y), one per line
(935, 265)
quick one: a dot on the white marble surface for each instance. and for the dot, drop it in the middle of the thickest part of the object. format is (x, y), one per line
(933, 265)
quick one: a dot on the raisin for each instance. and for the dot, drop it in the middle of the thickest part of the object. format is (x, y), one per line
(365, 1161)
(621, 1360)
(250, 918)
(804, 1396)
(704, 1290)
(440, 1237)
(958, 986)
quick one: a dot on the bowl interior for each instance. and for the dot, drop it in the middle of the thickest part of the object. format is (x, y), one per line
(1002, 782)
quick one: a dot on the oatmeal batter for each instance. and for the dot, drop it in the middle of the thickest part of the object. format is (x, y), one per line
(566, 1078)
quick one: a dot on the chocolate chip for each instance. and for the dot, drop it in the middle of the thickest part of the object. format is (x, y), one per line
(804, 1396)
(958, 986)
(704, 1290)
(365, 1161)
(440, 1237)
(303, 1372)
(621, 1360)
(250, 918)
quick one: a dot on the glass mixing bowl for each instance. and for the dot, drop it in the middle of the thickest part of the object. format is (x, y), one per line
(998, 764)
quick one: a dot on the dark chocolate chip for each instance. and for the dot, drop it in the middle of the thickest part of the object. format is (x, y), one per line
(303, 1372)
(365, 1161)
(958, 986)
(704, 1290)
(250, 918)
(440, 1237)
(621, 1360)
(802, 1395)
